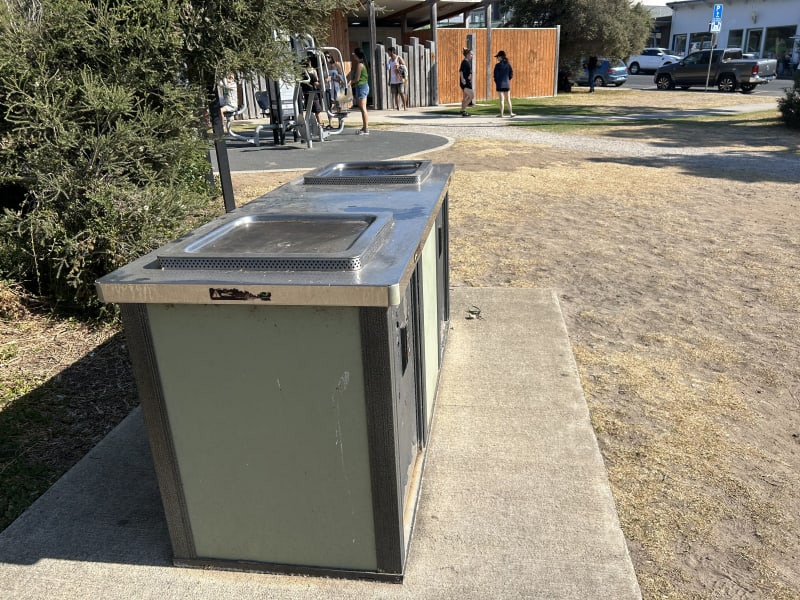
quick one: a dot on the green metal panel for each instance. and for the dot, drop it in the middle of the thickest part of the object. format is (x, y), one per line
(431, 323)
(267, 411)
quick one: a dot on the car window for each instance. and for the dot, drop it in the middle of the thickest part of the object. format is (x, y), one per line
(650, 53)
(696, 58)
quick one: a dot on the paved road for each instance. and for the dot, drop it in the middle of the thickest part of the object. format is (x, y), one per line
(773, 89)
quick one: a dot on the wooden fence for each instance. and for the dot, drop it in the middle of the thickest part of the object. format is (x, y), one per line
(433, 68)
(533, 53)
(419, 60)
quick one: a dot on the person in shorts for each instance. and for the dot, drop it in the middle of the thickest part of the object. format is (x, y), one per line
(465, 81)
(337, 83)
(398, 71)
(359, 77)
(502, 76)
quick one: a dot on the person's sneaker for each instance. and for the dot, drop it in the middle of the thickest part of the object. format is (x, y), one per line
(512, 115)
(465, 114)
(362, 132)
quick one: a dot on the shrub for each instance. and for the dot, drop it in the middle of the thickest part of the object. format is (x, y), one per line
(101, 156)
(790, 104)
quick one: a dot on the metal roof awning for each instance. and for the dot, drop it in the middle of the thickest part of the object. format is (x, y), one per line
(410, 13)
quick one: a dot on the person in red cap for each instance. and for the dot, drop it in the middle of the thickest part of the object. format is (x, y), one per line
(503, 73)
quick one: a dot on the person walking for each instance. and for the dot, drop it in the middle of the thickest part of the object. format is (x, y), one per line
(397, 78)
(503, 73)
(591, 67)
(359, 77)
(465, 81)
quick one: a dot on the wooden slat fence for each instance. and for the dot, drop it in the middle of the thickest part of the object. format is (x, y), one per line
(419, 59)
(532, 52)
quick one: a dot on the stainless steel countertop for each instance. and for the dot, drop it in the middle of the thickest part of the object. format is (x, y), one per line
(381, 281)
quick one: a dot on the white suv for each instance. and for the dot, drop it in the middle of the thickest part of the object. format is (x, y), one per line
(651, 59)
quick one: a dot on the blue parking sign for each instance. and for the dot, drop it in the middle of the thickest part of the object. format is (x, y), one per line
(717, 12)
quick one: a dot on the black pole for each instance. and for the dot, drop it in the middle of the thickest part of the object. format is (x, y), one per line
(434, 16)
(222, 152)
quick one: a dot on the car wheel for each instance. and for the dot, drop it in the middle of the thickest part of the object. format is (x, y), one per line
(599, 81)
(746, 88)
(664, 82)
(633, 68)
(727, 83)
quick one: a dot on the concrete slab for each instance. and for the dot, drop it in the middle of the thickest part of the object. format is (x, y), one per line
(515, 499)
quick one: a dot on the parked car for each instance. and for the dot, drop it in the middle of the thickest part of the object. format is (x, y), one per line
(729, 70)
(651, 59)
(608, 72)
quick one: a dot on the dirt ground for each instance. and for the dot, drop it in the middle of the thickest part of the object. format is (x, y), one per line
(680, 291)
(679, 286)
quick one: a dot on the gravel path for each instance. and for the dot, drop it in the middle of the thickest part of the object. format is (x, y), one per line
(644, 153)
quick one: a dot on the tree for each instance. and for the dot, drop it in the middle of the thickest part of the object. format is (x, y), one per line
(789, 105)
(248, 35)
(609, 28)
(102, 150)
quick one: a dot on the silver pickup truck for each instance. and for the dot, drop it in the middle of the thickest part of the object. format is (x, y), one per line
(728, 71)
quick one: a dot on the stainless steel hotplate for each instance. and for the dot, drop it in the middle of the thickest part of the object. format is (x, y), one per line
(296, 242)
(370, 173)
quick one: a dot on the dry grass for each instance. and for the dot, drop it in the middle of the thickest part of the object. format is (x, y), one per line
(680, 293)
(682, 308)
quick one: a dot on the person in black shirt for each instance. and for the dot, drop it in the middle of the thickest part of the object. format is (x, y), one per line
(591, 67)
(310, 84)
(465, 81)
(503, 73)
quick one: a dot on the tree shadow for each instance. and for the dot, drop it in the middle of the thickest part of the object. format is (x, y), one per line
(758, 131)
(49, 429)
(778, 167)
(757, 148)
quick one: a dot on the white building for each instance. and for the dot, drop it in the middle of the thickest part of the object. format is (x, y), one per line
(766, 28)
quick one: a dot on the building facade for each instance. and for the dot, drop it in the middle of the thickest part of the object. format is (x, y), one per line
(765, 28)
